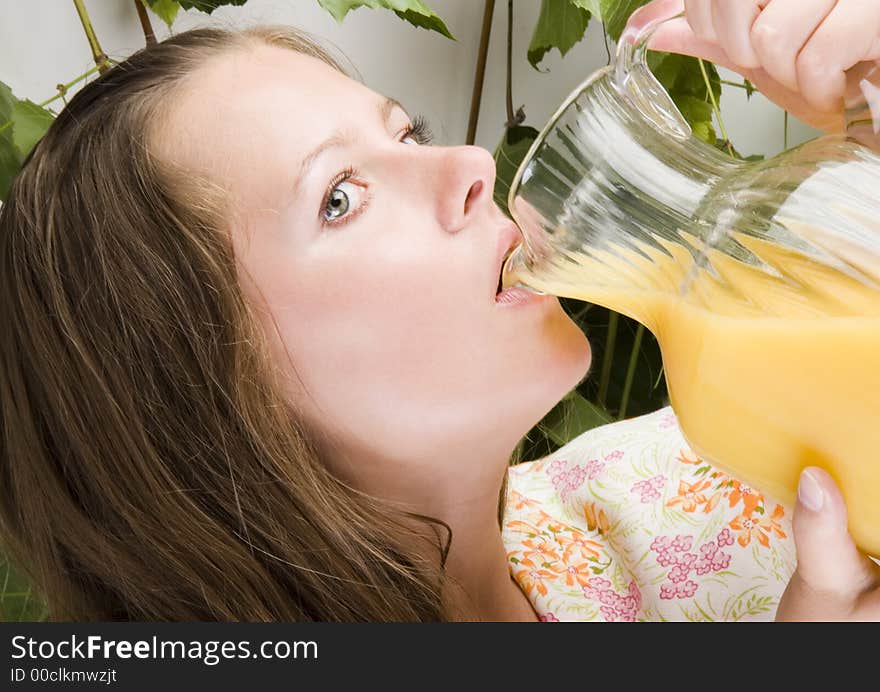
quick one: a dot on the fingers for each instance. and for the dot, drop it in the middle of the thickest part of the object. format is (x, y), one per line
(677, 36)
(823, 61)
(699, 16)
(780, 32)
(733, 20)
(828, 561)
(646, 14)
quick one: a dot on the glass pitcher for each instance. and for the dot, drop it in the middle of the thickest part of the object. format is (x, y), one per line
(760, 280)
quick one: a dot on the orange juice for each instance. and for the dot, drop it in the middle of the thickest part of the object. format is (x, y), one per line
(770, 368)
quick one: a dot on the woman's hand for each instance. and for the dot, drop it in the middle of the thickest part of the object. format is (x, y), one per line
(832, 580)
(795, 51)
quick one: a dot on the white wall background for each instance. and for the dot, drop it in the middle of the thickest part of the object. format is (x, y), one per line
(42, 44)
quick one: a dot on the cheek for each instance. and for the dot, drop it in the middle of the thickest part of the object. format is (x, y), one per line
(380, 333)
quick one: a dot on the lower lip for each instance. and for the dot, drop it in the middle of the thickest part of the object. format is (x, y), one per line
(518, 296)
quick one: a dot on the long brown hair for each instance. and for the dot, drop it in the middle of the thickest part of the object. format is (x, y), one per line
(151, 469)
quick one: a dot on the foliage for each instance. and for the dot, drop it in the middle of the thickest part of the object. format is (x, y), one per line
(22, 124)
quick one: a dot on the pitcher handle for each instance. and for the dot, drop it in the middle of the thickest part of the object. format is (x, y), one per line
(635, 81)
(861, 102)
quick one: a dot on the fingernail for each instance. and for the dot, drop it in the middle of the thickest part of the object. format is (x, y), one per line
(810, 492)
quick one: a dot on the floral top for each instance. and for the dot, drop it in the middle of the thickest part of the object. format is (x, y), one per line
(626, 523)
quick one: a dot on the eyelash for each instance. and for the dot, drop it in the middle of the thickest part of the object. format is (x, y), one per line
(419, 130)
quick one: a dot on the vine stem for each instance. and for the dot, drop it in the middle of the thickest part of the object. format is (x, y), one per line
(149, 35)
(510, 115)
(62, 90)
(100, 57)
(480, 72)
(631, 371)
(607, 358)
(715, 107)
(785, 131)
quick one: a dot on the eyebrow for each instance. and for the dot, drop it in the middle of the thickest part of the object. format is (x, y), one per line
(339, 138)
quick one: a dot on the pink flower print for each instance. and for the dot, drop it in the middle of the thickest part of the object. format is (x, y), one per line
(594, 468)
(679, 573)
(666, 558)
(685, 559)
(725, 538)
(615, 607)
(635, 594)
(549, 617)
(707, 550)
(682, 544)
(686, 590)
(566, 480)
(661, 544)
(614, 456)
(649, 489)
(720, 560)
(712, 559)
(556, 467)
(680, 590)
(667, 420)
(608, 613)
(608, 597)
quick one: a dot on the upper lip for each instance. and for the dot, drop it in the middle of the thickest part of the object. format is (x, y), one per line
(509, 238)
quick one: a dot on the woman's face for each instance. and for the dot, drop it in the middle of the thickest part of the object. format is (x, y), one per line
(374, 261)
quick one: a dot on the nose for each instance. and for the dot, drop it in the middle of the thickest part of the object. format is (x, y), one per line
(466, 183)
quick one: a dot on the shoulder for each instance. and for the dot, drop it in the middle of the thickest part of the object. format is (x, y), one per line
(649, 519)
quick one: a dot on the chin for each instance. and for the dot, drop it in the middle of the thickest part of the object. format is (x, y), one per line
(572, 346)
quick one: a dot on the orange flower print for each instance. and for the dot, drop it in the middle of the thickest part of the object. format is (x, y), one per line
(579, 574)
(596, 520)
(750, 527)
(519, 501)
(713, 502)
(529, 579)
(523, 527)
(690, 495)
(749, 497)
(538, 552)
(686, 456)
(578, 548)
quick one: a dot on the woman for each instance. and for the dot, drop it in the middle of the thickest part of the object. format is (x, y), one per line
(258, 369)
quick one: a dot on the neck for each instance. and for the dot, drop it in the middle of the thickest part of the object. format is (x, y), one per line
(480, 586)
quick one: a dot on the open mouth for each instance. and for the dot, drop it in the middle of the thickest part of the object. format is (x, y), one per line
(507, 254)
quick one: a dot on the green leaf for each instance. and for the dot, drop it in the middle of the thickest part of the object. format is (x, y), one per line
(648, 392)
(10, 163)
(18, 603)
(509, 154)
(571, 417)
(166, 10)
(22, 123)
(415, 12)
(29, 124)
(561, 24)
(682, 78)
(7, 100)
(613, 13)
(208, 6)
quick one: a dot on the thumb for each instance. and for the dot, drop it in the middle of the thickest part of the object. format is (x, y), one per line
(673, 33)
(828, 560)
